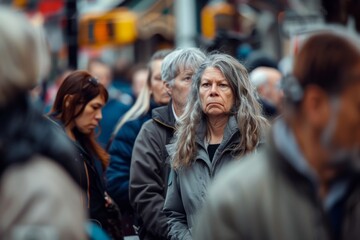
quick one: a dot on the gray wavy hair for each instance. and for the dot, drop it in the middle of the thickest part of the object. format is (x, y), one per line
(24, 54)
(180, 59)
(246, 109)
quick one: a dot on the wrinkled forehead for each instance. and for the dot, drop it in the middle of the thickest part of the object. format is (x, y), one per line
(212, 72)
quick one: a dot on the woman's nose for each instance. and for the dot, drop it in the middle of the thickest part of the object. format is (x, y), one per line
(98, 115)
(213, 90)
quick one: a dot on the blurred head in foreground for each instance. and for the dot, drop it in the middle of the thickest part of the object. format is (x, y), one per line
(24, 55)
(322, 95)
(310, 164)
(34, 167)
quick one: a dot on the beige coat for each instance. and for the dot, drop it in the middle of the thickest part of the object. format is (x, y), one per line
(39, 199)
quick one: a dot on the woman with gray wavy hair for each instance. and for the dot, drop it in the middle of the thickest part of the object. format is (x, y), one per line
(222, 122)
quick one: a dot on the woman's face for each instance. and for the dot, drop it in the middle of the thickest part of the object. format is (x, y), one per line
(158, 89)
(216, 95)
(89, 119)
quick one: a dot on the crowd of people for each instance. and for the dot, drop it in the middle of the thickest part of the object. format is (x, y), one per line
(202, 150)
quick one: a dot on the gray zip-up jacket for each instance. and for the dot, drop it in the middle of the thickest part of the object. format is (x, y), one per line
(149, 173)
(187, 187)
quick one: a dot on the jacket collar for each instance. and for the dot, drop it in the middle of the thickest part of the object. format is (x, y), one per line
(164, 115)
(230, 130)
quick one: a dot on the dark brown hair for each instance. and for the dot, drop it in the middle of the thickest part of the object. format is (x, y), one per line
(327, 60)
(82, 87)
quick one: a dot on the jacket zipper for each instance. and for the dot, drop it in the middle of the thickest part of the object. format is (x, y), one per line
(213, 166)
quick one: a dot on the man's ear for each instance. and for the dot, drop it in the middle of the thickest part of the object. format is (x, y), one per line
(168, 88)
(316, 106)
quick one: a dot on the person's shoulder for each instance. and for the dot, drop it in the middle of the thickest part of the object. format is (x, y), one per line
(133, 125)
(27, 185)
(36, 171)
(151, 128)
(139, 121)
(246, 174)
(149, 123)
(160, 111)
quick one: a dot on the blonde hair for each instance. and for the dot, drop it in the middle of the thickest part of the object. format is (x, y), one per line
(24, 55)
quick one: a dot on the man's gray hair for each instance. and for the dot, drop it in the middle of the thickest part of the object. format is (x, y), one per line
(180, 59)
(24, 54)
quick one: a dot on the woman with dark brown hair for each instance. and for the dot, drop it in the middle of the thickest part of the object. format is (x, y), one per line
(77, 109)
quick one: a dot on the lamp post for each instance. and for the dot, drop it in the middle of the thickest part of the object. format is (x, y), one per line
(71, 33)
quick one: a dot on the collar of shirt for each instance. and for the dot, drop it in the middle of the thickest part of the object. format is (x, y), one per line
(173, 110)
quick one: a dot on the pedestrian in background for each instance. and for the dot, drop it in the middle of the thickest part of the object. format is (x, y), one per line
(150, 165)
(122, 142)
(267, 82)
(77, 109)
(222, 121)
(117, 105)
(305, 183)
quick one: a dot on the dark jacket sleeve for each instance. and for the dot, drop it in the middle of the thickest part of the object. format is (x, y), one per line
(118, 171)
(174, 210)
(147, 186)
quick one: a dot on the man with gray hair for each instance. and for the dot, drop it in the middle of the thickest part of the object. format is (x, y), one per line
(149, 165)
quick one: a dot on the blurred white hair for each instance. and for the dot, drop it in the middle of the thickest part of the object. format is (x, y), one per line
(258, 77)
(24, 54)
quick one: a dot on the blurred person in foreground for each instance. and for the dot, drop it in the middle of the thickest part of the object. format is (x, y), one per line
(222, 121)
(305, 183)
(123, 138)
(267, 80)
(77, 110)
(117, 104)
(40, 196)
(150, 165)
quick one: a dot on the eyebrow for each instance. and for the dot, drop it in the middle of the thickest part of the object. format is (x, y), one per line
(98, 104)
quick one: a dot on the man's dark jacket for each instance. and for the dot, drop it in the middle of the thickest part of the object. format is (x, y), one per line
(149, 173)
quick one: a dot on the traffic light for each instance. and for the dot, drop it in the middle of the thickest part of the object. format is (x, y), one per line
(216, 16)
(117, 27)
(19, 3)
